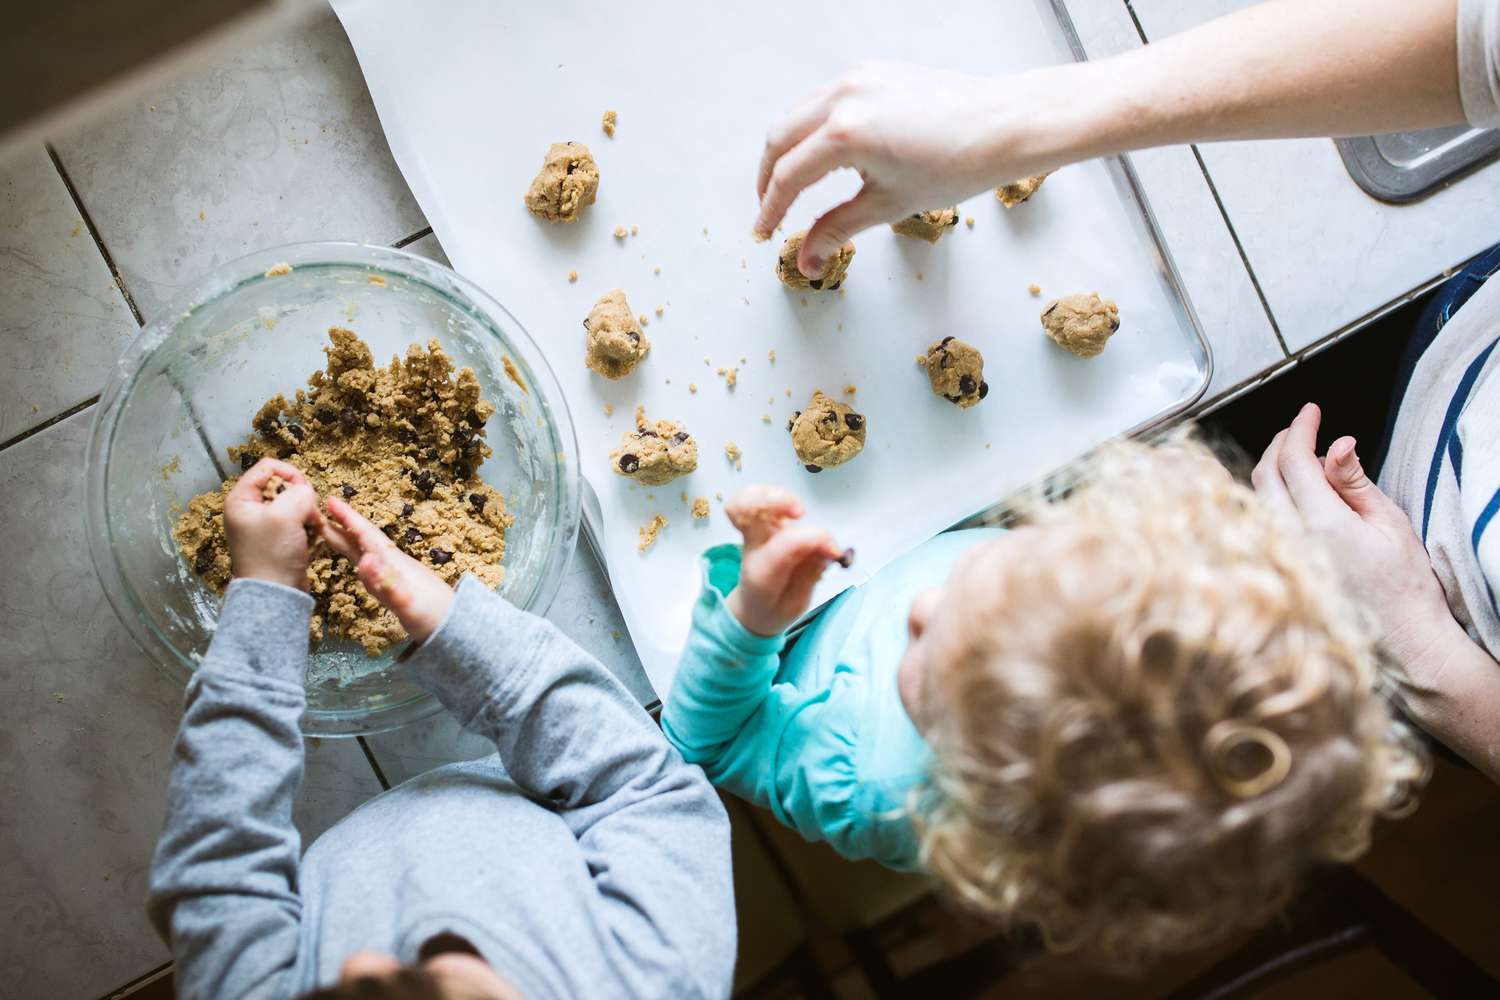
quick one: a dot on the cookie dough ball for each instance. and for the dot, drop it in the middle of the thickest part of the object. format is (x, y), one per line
(827, 433)
(956, 370)
(616, 343)
(929, 226)
(568, 182)
(834, 269)
(1081, 323)
(1013, 194)
(656, 452)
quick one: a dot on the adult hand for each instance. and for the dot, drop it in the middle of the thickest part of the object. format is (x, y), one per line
(416, 595)
(1383, 562)
(921, 138)
(268, 538)
(780, 564)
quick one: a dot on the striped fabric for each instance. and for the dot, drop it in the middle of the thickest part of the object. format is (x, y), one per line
(1443, 468)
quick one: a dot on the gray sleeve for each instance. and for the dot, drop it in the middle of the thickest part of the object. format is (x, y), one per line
(223, 889)
(649, 826)
(1479, 61)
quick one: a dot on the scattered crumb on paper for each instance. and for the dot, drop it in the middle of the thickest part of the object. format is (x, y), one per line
(609, 409)
(771, 356)
(700, 508)
(621, 232)
(730, 375)
(572, 275)
(850, 388)
(377, 280)
(277, 270)
(969, 222)
(692, 387)
(1034, 288)
(649, 532)
(609, 121)
(644, 319)
(660, 310)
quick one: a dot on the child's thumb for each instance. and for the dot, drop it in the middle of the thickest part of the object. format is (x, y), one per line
(1347, 476)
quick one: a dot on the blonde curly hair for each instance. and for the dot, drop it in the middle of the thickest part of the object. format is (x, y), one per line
(1159, 719)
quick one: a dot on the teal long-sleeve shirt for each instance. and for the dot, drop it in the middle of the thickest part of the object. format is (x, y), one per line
(813, 730)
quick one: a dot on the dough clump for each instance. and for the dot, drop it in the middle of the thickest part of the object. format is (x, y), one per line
(827, 433)
(568, 182)
(929, 226)
(655, 453)
(1013, 194)
(1081, 323)
(616, 342)
(403, 446)
(834, 269)
(956, 371)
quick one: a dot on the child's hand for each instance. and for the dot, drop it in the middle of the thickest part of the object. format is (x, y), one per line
(268, 538)
(413, 592)
(781, 564)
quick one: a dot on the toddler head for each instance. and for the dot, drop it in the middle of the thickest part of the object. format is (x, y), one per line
(1152, 709)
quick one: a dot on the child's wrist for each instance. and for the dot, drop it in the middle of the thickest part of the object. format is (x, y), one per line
(751, 620)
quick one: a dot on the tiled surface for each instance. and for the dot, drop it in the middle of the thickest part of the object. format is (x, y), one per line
(278, 145)
(1217, 282)
(585, 611)
(86, 728)
(62, 320)
(1326, 253)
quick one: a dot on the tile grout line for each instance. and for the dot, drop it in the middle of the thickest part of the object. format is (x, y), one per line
(88, 221)
(71, 411)
(120, 992)
(1239, 247)
(385, 784)
(1213, 189)
(407, 241)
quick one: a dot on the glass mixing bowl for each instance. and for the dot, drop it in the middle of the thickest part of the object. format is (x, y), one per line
(188, 386)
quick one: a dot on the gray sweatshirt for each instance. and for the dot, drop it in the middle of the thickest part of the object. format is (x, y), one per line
(585, 859)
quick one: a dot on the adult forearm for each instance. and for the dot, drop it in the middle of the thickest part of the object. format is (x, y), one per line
(1280, 69)
(1450, 686)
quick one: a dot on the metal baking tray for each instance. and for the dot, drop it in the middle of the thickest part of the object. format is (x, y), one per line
(1404, 166)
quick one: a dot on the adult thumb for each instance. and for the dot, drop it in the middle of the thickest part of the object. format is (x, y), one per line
(835, 227)
(1347, 476)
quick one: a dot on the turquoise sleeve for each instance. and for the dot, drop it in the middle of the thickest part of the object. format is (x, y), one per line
(771, 744)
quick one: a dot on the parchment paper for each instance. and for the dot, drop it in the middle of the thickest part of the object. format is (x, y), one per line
(471, 92)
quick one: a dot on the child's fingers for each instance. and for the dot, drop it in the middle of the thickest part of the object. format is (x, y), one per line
(804, 577)
(773, 565)
(340, 540)
(356, 525)
(299, 501)
(759, 511)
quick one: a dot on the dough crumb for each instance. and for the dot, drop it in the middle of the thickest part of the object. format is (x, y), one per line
(700, 508)
(969, 222)
(644, 319)
(609, 121)
(850, 389)
(649, 532)
(1013, 194)
(513, 374)
(919, 276)
(692, 387)
(656, 270)
(620, 232)
(730, 375)
(609, 409)
(567, 183)
(635, 230)
(732, 452)
(277, 270)
(684, 496)
(771, 356)
(1034, 288)
(572, 275)
(757, 235)
(765, 418)
(660, 310)
(377, 281)
(719, 495)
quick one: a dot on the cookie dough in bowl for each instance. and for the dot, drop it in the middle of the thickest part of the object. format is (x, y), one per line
(486, 460)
